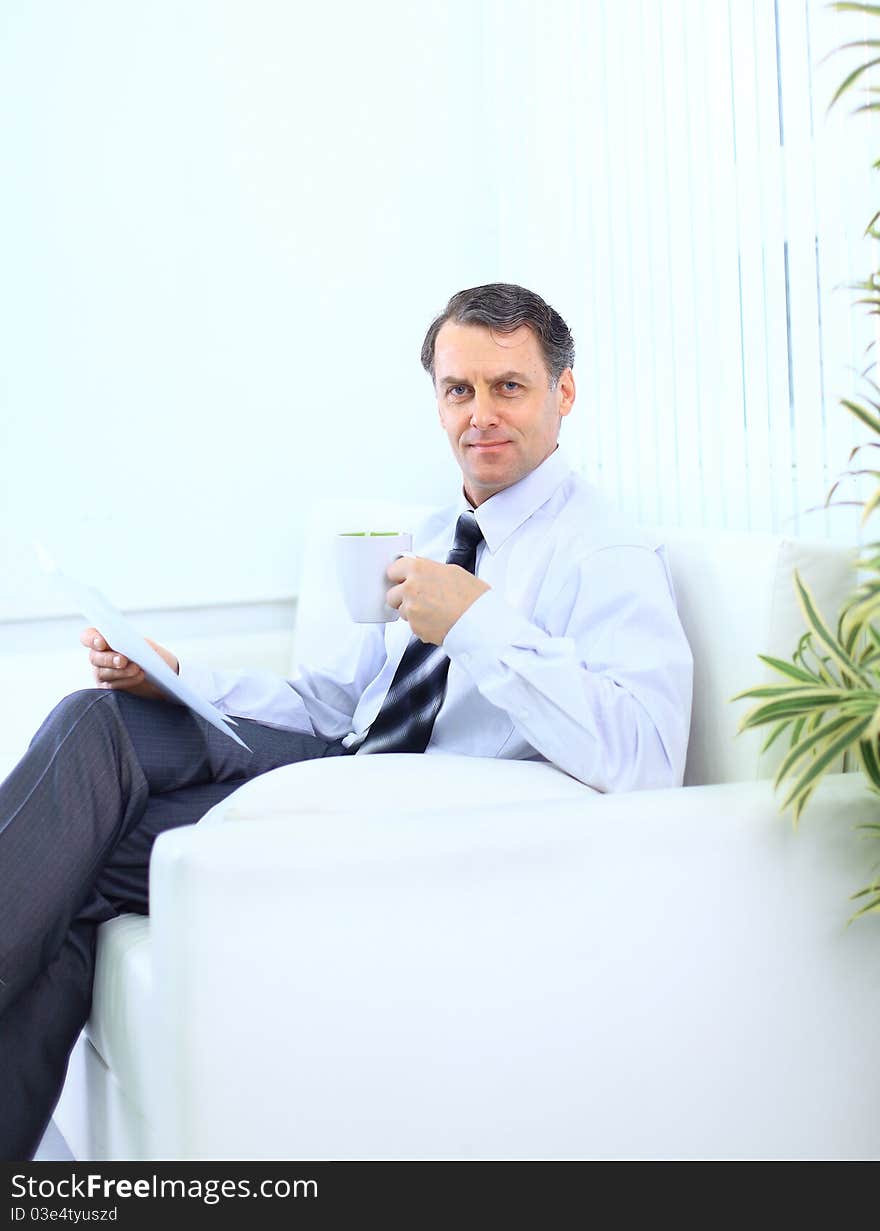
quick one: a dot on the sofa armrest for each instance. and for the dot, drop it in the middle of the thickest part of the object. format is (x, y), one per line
(663, 974)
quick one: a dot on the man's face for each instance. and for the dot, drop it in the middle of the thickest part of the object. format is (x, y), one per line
(495, 404)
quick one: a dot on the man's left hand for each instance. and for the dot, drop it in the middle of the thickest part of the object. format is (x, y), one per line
(431, 596)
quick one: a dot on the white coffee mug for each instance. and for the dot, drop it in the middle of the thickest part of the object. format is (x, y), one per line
(363, 557)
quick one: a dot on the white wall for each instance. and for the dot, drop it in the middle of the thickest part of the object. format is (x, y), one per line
(224, 230)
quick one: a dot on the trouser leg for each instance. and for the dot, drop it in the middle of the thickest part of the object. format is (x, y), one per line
(104, 775)
(38, 1032)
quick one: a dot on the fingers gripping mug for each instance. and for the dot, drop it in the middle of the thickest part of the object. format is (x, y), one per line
(362, 557)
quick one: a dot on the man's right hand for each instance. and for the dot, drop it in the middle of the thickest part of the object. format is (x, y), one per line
(114, 670)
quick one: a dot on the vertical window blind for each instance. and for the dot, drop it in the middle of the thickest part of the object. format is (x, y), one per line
(715, 221)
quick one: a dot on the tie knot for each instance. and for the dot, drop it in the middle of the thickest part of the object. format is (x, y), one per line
(468, 537)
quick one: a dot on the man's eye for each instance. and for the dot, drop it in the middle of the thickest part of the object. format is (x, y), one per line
(454, 387)
(508, 383)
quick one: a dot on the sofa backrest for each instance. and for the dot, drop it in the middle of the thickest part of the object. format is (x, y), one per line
(736, 599)
(735, 596)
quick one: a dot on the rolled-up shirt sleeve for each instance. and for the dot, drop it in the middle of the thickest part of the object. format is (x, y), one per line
(600, 683)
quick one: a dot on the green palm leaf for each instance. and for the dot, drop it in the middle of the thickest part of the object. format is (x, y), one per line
(820, 735)
(870, 763)
(851, 79)
(801, 803)
(823, 633)
(810, 777)
(871, 505)
(866, 417)
(771, 738)
(870, 908)
(785, 690)
(788, 708)
(855, 6)
(789, 669)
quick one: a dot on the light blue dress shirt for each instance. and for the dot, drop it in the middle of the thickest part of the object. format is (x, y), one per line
(576, 654)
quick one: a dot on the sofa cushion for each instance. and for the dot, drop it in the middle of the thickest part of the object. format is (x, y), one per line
(736, 599)
(397, 783)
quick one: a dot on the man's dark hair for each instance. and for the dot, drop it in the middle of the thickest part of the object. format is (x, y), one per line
(505, 306)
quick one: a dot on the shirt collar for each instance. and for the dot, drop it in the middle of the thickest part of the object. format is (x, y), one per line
(506, 511)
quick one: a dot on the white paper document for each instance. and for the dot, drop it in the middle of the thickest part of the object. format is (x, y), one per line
(119, 633)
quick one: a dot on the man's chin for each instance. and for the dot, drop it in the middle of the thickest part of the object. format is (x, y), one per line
(485, 481)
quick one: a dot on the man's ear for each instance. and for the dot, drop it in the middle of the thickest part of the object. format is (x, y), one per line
(567, 391)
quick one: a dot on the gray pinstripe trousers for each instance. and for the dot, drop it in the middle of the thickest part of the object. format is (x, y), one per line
(105, 774)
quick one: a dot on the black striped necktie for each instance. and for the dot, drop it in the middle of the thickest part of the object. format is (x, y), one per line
(406, 719)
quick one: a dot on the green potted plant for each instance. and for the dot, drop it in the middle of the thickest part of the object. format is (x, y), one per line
(828, 700)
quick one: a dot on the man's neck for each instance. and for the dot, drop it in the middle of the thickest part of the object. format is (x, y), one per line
(474, 504)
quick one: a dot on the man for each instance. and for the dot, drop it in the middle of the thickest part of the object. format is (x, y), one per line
(547, 632)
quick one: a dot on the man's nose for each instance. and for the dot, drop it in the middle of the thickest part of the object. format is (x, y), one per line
(484, 410)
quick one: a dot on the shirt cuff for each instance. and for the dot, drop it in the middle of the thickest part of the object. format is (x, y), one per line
(488, 626)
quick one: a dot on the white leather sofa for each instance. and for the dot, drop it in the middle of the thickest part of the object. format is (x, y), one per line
(402, 957)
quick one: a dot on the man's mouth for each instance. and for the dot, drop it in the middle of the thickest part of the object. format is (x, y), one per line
(486, 446)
